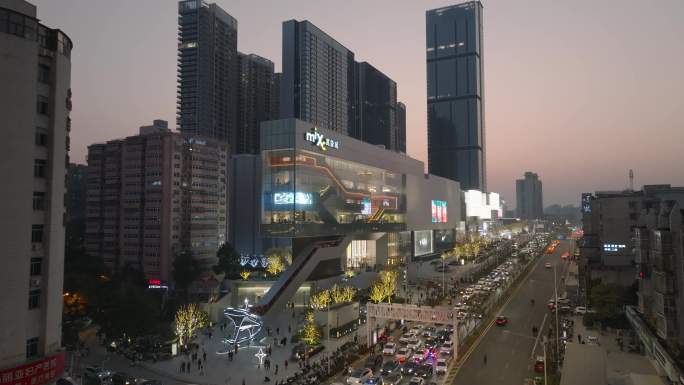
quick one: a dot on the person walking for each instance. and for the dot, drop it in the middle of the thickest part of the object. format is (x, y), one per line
(276, 370)
(285, 364)
(485, 359)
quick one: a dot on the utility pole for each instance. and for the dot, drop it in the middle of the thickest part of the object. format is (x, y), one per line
(544, 347)
(555, 290)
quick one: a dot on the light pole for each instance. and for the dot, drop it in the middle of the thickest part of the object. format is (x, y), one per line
(544, 347)
(329, 354)
(555, 293)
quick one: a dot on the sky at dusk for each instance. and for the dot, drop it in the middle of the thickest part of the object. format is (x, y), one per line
(578, 91)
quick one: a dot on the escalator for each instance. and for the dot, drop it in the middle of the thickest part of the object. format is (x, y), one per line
(304, 262)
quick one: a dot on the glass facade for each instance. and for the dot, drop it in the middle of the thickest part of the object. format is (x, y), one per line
(398, 247)
(456, 142)
(310, 194)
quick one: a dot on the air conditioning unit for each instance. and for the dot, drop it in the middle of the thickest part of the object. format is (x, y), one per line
(34, 282)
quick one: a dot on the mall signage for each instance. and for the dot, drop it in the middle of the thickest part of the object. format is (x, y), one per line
(319, 140)
(39, 372)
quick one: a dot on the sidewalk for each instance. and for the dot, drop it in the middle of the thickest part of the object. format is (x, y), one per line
(619, 364)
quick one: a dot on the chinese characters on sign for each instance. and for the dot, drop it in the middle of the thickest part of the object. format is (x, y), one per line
(36, 373)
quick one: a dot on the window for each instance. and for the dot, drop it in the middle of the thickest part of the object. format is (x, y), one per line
(38, 201)
(32, 347)
(44, 73)
(39, 168)
(42, 107)
(41, 136)
(34, 299)
(36, 266)
(37, 233)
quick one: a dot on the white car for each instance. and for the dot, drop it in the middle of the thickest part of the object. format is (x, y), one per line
(447, 347)
(390, 349)
(406, 337)
(419, 356)
(580, 310)
(441, 366)
(359, 376)
(414, 343)
(403, 354)
(416, 381)
(415, 329)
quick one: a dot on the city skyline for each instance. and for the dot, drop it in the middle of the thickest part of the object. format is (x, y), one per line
(615, 95)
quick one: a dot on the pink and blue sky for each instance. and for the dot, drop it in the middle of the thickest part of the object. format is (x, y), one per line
(577, 91)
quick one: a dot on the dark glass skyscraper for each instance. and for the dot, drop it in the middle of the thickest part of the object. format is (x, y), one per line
(207, 71)
(456, 134)
(258, 101)
(401, 127)
(528, 196)
(317, 82)
(375, 107)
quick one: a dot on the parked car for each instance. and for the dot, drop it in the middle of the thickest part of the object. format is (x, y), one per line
(359, 376)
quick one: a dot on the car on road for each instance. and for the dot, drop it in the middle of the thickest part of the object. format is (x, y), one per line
(579, 310)
(392, 379)
(404, 339)
(441, 366)
(501, 320)
(403, 354)
(390, 349)
(410, 368)
(547, 265)
(424, 370)
(96, 371)
(539, 364)
(419, 355)
(414, 343)
(121, 378)
(416, 381)
(447, 347)
(374, 380)
(374, 361)
(389, 367)
(359, 376)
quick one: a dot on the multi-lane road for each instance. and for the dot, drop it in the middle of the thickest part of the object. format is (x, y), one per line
(508, 349)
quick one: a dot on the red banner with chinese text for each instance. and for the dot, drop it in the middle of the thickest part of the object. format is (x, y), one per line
(39, 372)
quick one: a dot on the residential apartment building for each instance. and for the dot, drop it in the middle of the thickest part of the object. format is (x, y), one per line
(208, 71)
(35, 103)
(258, 100)
(455, 94)
(529, 197)
(153, 195)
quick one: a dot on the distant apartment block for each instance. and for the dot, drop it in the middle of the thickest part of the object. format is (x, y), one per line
(35, 104)
(153, 195)
(529, 197)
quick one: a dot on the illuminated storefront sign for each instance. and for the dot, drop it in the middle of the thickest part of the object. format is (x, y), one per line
(319, 140)
(439, 212)
(156, 284)
(288, 198)
(613, 246)
(43, 371)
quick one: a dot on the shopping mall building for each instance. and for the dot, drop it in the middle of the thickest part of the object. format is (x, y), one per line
(345, 204)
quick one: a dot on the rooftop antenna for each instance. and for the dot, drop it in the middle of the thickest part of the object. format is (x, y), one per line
(631, 180)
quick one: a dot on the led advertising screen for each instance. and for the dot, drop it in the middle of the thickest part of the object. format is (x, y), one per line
(586, 203)
(422, 242)
(439, 212)
(288, 198)
(366, 210)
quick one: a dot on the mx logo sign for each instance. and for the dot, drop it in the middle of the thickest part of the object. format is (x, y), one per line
(319, 140)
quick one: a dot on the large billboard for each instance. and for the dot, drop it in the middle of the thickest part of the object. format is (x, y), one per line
(422, 242)
(439, 211)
